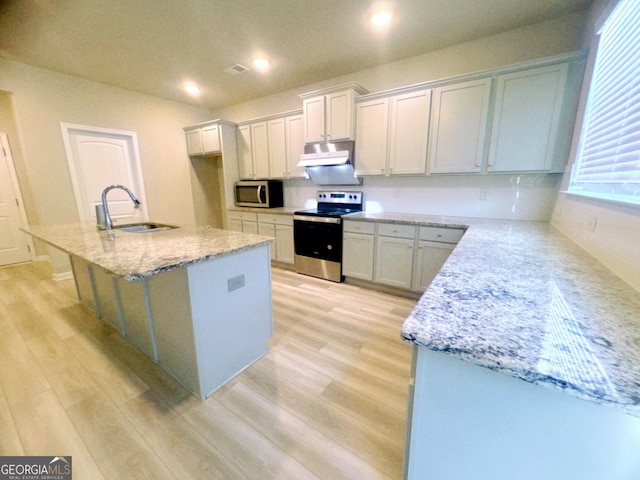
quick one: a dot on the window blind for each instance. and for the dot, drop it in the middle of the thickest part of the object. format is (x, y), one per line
(608, 163)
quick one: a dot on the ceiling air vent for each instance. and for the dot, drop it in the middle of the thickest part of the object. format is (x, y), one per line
(237, 69)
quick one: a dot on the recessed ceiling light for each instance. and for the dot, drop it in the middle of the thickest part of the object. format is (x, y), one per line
(381, 18)
(192, 89)
(261, 63)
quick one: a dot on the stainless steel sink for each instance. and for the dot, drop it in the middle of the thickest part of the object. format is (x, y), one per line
(143, 227)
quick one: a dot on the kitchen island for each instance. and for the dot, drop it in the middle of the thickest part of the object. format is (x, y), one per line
(195, 300)
(526, 360)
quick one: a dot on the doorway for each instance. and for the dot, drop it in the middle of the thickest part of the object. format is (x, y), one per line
(15, 246)
(101, 157)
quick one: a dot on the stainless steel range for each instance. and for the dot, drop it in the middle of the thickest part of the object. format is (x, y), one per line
(317, 234)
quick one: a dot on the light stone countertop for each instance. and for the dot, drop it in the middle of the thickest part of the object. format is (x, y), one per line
(521, 298)
(133, 256)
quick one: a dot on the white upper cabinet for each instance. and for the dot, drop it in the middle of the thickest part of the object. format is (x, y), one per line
(294, 145)
(329, 114)
(211, 138)
(277, 157)
(270, 147)
(459, 127)
(372, 124)
(260, 149)
(203, 139)
(392, 134)
(526, 123)
(194, 141)
(245, 159)
(408, 132)
(314, 122)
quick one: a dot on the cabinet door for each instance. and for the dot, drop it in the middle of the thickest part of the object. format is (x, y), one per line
(314, 126)
(526, 119)
(357, 255)
(269, 230)
(194, 141)
(459, 127)
(284, 243)
(394, 261)
(409, 132)
(245, 161)
(250, 227)
(260, 149)
(277, 149)
(339, 116)
(235, 224)
(429, 260)
(211, 139)
(371, 133)
(294, 135)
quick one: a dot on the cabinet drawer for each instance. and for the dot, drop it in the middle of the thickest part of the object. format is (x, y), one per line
(283, 220)
(275, 219)
(359, 227)
(235, 215)
(441, 234)
(396, 230)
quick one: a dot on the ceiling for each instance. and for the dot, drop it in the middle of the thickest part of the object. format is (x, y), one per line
(154, 47)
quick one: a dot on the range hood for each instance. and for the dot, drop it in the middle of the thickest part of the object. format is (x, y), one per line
(330, 163)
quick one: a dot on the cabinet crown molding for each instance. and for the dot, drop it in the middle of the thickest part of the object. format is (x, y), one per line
(270, 117)
(359, 89)
(217, 121)
(575, 56)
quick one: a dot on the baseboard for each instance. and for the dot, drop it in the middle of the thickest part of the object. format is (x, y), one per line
(62, 276)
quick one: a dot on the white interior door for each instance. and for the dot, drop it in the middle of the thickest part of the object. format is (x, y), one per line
(99, 158)
(15, 246)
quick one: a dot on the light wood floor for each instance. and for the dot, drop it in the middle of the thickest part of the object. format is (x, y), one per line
(328, 401)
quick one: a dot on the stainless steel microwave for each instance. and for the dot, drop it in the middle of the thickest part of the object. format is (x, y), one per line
(259, 193)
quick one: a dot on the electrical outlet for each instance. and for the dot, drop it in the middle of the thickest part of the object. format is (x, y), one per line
(235, 283)
(484, 194)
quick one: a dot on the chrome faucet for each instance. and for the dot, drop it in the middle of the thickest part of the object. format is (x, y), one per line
(136, 203)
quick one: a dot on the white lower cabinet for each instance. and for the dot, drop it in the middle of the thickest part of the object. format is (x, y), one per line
(394, 254)
(279, 227)
(246, 222)
(430, 256)
(357, 249)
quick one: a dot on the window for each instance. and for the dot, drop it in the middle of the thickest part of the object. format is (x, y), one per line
(608, 163)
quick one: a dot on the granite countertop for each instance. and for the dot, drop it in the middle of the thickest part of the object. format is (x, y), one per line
(134, 256)
(521, 298)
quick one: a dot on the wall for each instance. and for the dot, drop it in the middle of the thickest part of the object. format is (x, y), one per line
(42, 99)
(607, 231)
(528, 197)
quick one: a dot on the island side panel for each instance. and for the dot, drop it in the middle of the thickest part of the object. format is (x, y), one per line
(232, 314)
(134, 315)
(84, 285)
(469, 421)
(171, 310)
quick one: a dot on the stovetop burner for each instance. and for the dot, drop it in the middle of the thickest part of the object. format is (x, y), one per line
(335, 204)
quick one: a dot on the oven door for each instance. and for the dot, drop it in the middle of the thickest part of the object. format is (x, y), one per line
(318, 246)
(318, 237)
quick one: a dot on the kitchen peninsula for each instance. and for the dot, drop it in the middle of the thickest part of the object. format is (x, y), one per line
(519, 301)
(196, 300)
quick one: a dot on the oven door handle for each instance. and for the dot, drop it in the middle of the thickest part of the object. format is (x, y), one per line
(308, 218)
